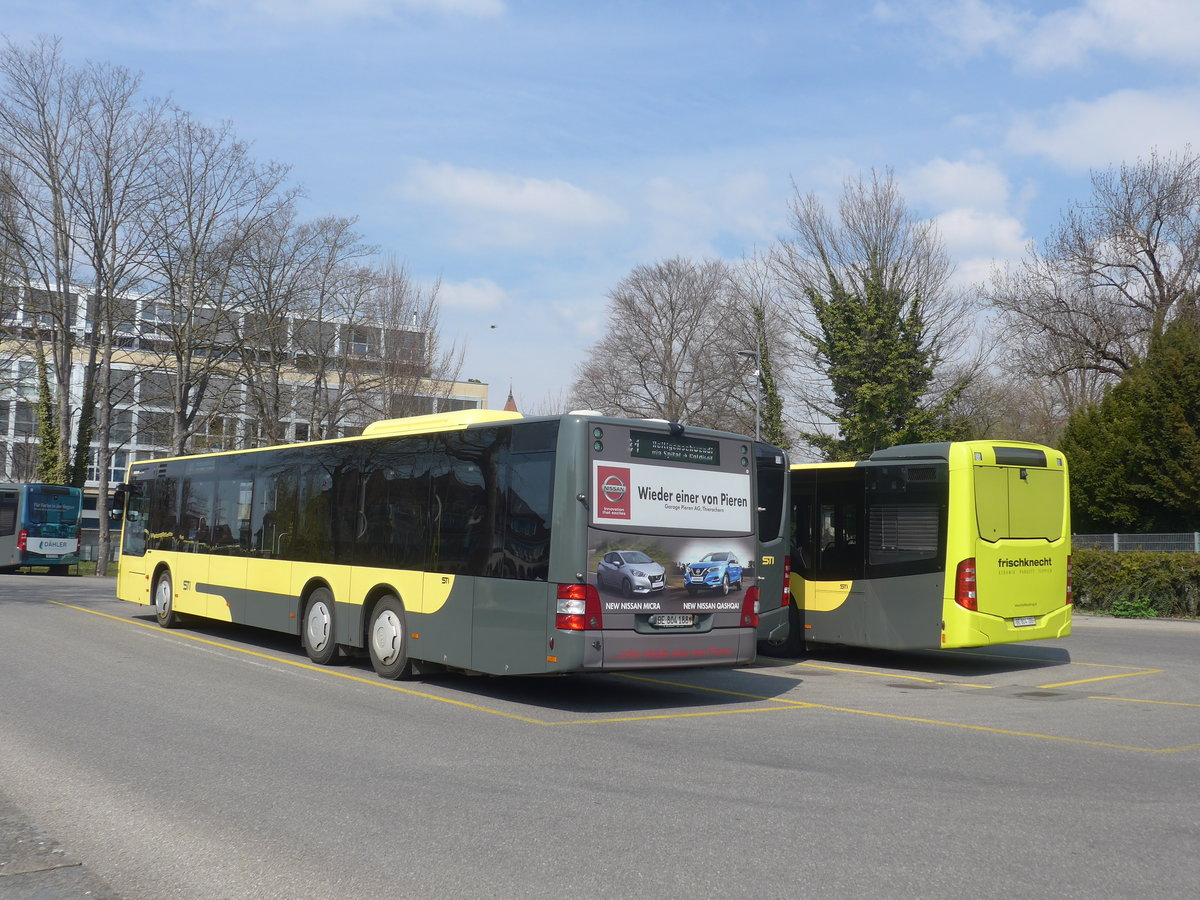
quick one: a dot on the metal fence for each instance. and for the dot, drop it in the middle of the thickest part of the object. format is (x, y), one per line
(1187, 542)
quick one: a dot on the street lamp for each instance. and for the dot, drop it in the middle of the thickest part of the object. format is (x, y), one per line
(755, 355)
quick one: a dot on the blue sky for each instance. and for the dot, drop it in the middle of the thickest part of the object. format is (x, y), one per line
(530, 153)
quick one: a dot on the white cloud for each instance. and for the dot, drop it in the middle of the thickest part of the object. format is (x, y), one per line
(1153, 30)
(1122, 126)
(688, 219)
(973, 26)
(976, 240)
(510, 210)
(942, 183)
(475, 294)
(1156, 30)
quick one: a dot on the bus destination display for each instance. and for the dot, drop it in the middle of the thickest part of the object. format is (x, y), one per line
(665, 448)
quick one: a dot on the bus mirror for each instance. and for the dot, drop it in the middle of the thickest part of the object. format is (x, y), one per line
(117, 508)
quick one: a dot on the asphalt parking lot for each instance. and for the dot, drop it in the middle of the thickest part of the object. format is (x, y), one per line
(1064, 768)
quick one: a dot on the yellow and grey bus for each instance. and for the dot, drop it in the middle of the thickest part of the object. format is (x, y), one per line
(926, 546)
(478, 540)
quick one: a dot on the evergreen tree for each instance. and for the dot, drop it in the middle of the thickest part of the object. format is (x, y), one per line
(1135, 456)
(51, 467)
(873, 350)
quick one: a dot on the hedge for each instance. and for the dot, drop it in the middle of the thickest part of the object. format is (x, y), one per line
(1137, 584)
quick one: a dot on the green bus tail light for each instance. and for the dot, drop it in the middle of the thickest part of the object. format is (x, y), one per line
(578, 608)
(964, 586)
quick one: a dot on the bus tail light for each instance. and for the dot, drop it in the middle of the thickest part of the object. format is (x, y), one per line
(964, 585)
(23, 539)
(750, 608)
(578, 608)
(787, 582)
(1070, 585)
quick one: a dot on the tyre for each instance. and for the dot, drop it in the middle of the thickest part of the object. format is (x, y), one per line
(387, 639)
(691, 589)
(626, 588)
(164, 600)
(725, 585)
(60, 570)
(318, 631)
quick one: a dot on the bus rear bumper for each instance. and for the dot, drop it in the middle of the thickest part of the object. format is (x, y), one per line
(631, 650)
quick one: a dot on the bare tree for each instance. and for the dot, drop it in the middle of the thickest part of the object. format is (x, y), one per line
(670, 351)
(1117, 269)
(416, 368)
(211, 200)
(42, 108)
(119, 141)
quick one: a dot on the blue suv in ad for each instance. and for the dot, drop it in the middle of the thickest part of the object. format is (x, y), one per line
(719, 571)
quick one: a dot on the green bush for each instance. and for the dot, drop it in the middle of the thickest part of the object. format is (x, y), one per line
(1137, 584)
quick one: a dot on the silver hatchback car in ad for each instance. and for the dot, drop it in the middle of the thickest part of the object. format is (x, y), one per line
(631, 572)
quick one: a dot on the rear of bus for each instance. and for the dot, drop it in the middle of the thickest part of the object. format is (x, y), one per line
(667, 570)
(1008, 545)
(46, 524)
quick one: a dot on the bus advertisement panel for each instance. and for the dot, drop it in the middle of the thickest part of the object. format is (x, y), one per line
(673, 547)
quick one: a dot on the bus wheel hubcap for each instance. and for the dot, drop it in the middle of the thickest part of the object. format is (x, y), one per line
(387, 637)
(162, 597)
(318, 626)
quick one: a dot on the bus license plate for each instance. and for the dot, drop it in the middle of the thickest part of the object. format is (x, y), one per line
(1023, 621)
(673, 620)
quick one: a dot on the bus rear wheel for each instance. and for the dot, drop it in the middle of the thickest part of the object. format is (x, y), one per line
(387, 639)
(164, 600)
(319, 634)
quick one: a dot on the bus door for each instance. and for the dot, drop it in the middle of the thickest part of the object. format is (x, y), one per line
(194, 537)
(230, 538)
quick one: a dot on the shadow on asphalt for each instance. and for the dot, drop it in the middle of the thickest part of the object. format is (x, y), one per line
(599, 692)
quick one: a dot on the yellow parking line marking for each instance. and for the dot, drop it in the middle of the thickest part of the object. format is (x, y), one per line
(691, 715)
(783, 703)
(1100, 678)
(1138, 700)
(324, 670)
(967, 684)
(990, 730)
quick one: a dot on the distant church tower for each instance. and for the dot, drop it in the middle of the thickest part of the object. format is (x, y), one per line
(510, 405)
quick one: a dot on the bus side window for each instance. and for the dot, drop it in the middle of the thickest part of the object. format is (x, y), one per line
(8, 513)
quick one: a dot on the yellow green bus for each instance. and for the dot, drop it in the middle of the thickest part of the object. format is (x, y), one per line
(479, 540)
(926, 546)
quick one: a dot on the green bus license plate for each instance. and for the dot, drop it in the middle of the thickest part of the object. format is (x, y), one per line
(1022, 621)
(673, 620)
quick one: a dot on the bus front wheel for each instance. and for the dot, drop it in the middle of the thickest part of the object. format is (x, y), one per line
(387, 639)
(319, 635)
(164, 600)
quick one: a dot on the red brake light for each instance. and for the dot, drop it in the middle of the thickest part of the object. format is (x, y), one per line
(1070, 585)
(750, 608)
(23, 539)
(787, 582)
(964, 585)
(578, 608)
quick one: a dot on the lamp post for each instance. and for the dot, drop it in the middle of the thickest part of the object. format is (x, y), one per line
(756, 355)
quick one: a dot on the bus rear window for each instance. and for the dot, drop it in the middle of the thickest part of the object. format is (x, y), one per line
(1018, 502)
